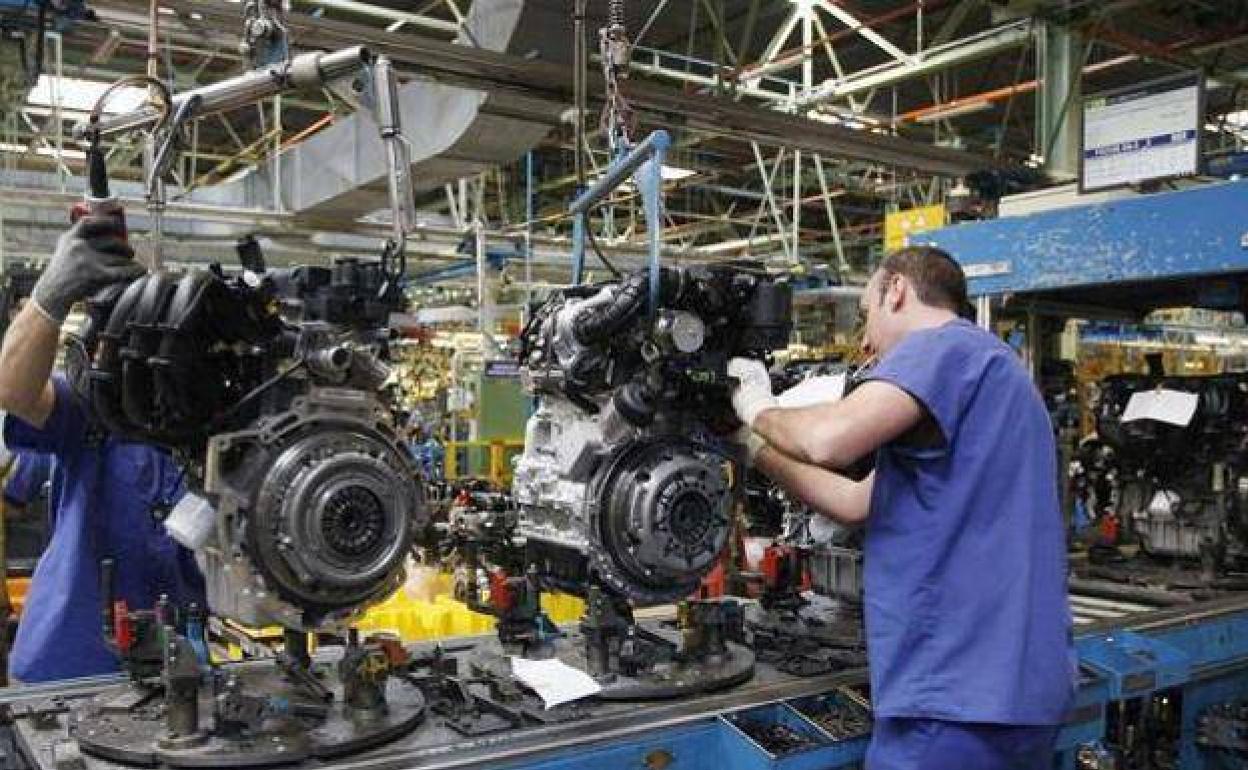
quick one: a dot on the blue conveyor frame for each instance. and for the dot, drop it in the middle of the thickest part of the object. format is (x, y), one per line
(1202, 657)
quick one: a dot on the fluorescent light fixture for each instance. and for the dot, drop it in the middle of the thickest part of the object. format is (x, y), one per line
(740, 244)
(67, 153)
(824, 117)
(237, 175)
(673, 173)
(81, 95)
(667, 173)
(107, 47)
(1212, 339)
(954, 110)
(851, 120)
(64, 153)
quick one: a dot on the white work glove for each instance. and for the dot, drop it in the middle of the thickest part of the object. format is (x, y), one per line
(752, 442)
(822, 529)
(753, 392)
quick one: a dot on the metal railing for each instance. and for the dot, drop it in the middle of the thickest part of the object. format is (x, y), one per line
(498, 466)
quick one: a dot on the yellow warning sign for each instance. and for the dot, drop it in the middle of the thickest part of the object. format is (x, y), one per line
(899, 225)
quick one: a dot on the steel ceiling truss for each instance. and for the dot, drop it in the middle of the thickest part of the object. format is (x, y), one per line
(795, 190)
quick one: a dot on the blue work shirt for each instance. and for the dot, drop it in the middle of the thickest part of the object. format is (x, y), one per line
(103, 493)
(429, 456)
(30, 472)
(965, 554)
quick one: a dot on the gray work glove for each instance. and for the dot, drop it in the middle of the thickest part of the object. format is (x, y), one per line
(89, 257)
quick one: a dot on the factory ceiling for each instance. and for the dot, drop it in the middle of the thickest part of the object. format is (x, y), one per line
(796, 124)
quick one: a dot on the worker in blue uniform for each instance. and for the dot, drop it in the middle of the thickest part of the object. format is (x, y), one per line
(968, 623)
(28, 476)
(30, 473)
(105, 490)
(27, 516)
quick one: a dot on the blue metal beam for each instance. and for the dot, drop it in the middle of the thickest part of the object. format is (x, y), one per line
(646, 159)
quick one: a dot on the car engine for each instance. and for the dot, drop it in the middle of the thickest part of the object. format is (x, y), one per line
(301, 505)
(1181, 487)
(623, 482)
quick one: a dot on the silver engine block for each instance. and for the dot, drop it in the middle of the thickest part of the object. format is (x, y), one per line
(306, 518)
(267, 388)
(650, 512)
(623, 480)
(1179, 485)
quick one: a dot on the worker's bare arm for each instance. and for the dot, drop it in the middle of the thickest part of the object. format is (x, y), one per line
(839, 498)
(26, 359)
(838, 434)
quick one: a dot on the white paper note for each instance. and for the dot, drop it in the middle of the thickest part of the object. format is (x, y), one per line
(554, 681)
(822, 529)
(1170, 406)
(814, 390)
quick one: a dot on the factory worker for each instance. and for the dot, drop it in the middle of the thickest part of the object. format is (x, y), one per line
(968, 625)
(28, 475)
(104, 490)
(30, 472)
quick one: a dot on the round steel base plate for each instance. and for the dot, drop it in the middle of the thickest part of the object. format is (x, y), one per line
(663, 680)
(122, 726)
(830, 626)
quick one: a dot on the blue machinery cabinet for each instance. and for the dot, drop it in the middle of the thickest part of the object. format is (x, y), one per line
(1187, 247)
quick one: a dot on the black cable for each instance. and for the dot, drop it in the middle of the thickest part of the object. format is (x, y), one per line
(263, 387)
(593, 242)
(40, 28)
(164, 105)
(392, 275)
(1009, 102)
(21, 49)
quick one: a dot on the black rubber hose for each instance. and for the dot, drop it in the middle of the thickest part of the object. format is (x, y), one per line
(41, 26)
(138, 391)
(593, 242)
(636, 402)
(106, 374)
(185, 399)
(600, 322)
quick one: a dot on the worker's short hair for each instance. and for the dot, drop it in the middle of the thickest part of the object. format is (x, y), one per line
(937, 279)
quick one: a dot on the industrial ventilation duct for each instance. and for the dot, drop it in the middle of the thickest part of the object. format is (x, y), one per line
(454, 132)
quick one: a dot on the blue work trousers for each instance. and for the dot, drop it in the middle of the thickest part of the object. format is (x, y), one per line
(933, 744)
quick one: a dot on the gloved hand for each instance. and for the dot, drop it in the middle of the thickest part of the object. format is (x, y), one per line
(89, 257)
(753, 392)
